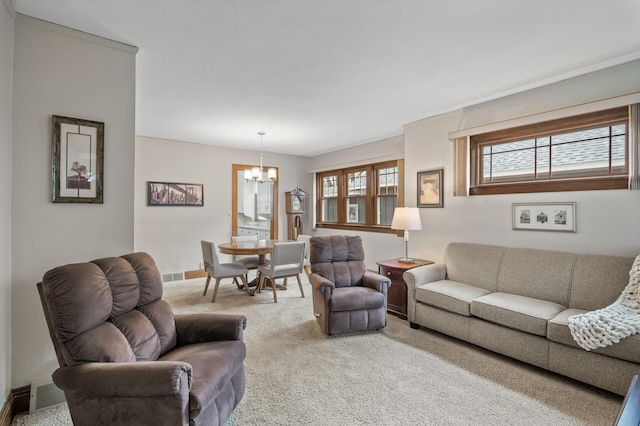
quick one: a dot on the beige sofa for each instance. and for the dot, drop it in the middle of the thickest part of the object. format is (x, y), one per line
(516, 302)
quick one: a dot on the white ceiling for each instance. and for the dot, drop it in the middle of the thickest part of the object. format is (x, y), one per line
(317, 76)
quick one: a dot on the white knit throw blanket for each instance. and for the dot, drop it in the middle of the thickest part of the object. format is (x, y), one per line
(606, 326)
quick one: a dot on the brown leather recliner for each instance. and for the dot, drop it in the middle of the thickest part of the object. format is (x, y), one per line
(126, 359)
(346, 297)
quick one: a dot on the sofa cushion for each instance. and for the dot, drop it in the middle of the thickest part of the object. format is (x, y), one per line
(516, 312)
(558, 331)
(355, 298)
(214, 364)
(474, 264)
(539, 274)
(598, 280)
(449, 295)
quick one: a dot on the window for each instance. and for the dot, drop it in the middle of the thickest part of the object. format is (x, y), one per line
(328, 198)
(576, 153)
(386, 194)
(356, 194)
(361, 198)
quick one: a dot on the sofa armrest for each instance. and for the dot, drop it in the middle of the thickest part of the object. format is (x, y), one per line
(198, 328)
(126, 379)
(415, 277)
(376, 281)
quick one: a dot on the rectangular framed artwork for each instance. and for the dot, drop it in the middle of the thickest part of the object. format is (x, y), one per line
(77, 161)
(559, 217)
(175, 194)
(352, 213)
(430, 191)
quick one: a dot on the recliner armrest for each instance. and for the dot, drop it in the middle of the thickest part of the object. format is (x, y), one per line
(199, 328)
(126, 379)
(320, 282)
(376, 281)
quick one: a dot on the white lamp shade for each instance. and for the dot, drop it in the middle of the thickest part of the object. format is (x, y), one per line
(406, 218)
(256, 173)
(271, 174)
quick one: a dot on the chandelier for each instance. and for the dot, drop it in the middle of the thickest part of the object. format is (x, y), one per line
(257, 173)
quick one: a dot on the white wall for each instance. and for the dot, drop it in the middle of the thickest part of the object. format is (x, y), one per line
(6, 72)
(64, 72)
(172, 234)
(607, 221)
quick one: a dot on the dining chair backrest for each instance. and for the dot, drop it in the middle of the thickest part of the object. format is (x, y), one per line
(307, 246)
(287, 258)
(210, 257)
(241, 238)
(307, 251)
(219, 271)
(248, 261)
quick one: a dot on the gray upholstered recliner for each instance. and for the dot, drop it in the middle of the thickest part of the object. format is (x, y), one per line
(126, 359)
(346, 297)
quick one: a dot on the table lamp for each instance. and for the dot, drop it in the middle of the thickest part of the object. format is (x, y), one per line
(406, 219)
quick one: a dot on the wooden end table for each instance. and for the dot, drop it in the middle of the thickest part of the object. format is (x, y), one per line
(397, 295)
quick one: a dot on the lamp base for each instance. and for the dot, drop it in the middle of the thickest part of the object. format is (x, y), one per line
(406, 260)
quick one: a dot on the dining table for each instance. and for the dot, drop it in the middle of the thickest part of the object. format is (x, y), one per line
(244, 248)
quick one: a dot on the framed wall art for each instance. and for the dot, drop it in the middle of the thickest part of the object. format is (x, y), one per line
(175, 194)
(77, 161)
(560, 217)
(430, 191)
(352, 213)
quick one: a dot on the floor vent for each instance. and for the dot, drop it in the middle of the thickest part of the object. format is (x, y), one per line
(174, 276)
(44, 394)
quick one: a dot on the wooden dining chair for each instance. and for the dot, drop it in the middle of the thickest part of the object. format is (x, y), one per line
(287, 260)
(218, 270)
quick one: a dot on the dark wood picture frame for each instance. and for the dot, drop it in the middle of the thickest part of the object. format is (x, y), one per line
(430, 188)
(175, 194)
(77, 160)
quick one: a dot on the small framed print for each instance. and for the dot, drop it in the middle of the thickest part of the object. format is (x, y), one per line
(559, 217)
(352, 213)
(430, 192)
(175, 194)
(77, 161)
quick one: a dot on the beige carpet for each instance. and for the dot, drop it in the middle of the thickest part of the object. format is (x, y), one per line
(296, 375)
